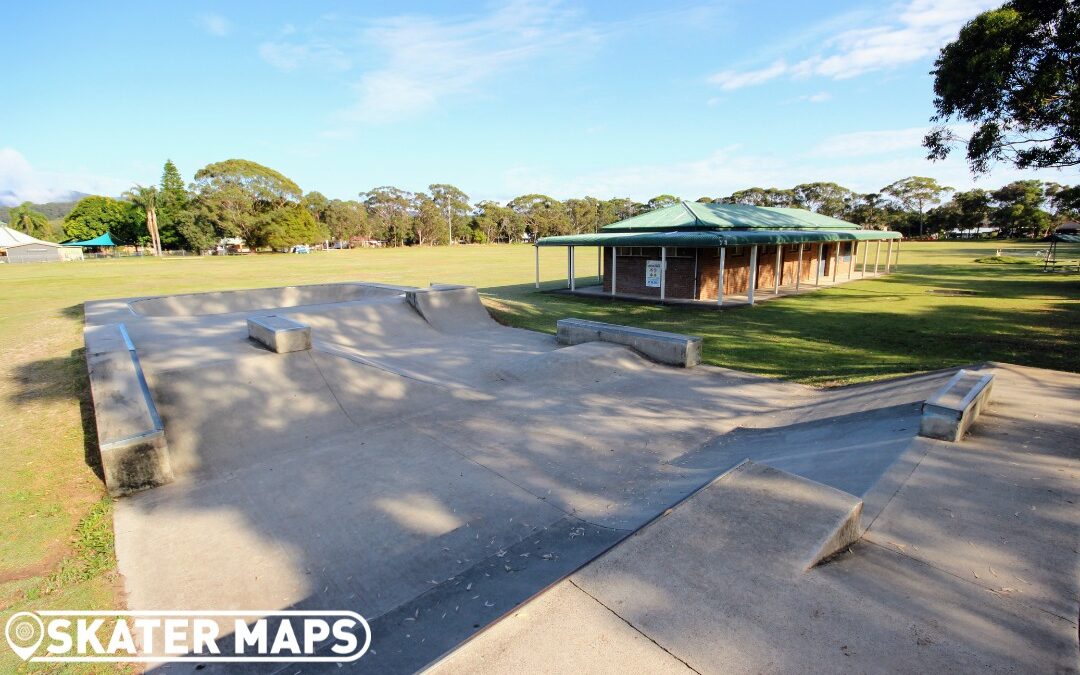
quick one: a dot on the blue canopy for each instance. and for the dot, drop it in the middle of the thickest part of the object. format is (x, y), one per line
(100, 240)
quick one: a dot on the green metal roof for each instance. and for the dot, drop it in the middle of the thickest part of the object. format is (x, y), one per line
(698, 216)
(715, 238)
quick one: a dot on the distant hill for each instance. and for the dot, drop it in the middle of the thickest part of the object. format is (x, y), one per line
(52, 210)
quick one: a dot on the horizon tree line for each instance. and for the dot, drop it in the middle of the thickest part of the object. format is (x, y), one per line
(242, 199)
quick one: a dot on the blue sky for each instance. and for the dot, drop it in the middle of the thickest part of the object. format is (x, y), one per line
(568, 98)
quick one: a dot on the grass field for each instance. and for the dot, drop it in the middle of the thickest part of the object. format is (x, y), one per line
(57, 545)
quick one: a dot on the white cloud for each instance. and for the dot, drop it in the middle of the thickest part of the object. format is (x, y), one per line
(878, 142)
(21, 182)
(819, 97)
(916, 31)
(734, 79)
(214, 24)
(420, 61)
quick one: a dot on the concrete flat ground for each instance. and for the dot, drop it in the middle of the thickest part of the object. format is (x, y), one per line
(435, 472)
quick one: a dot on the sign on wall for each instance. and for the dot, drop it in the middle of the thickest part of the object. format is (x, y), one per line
(652, 273)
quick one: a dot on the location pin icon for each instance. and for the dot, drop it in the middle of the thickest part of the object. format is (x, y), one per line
(24, 631)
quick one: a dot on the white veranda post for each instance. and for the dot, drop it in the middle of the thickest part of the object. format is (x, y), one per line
(835, 262)
(600, 264)
(798, 267)
(752, 281)
(817, 273)
(888, 257)
(570, 250)
(851, 258)
(663, 272)
(779, 269)
(877, 256)
(537, 265)
(865, 255)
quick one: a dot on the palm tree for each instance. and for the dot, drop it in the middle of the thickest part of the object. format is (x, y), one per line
(146, 197)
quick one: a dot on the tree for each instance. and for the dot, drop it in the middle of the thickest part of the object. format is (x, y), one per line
(1064, 200)
(916, 193)
(241, 199)
(316, 204)
(828, 199)
(543, 216)
(195, 230)
(1020, 209)
(662, 201)
(498, 222)
(756, 196)
(1013, 72)
(288, 226)
(146, 199)
(453, 203)
(173, 207)
(429, 222)
(94, 216)
(391, 211)
(346, 219)
(868, 210)
(25, 219)
(584, 214)
(973, 208)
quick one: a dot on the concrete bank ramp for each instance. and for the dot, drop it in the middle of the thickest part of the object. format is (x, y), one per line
(235, 415)
(227, 302)
(451, 309)
(677, 580)
(575, 367)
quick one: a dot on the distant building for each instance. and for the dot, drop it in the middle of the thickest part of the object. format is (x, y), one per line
(704, 252)
(19, 247)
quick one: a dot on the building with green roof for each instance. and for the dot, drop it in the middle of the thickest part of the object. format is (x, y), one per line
(682, 252)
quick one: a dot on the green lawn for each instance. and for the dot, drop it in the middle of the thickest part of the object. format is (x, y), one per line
(57, 549)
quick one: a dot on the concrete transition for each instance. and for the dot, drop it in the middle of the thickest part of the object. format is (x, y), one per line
(131, 437)
(491, 499)
(672, 349)
(279, 334)
(949, 413)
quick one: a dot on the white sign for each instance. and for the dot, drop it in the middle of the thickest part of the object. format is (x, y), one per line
(652, 273)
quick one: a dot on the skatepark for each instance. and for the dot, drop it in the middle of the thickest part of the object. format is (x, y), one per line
(492, 499)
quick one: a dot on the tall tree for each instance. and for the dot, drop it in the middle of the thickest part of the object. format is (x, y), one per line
(584, 214)
(917, 193)
(1020, 209)
(828, 199)
(1013, 72)
(25, 219)
(146, 198)
(173, 207)
(973, 208)
(429, 222)
(662, 201)
(543, 215)
(454, 205)
(241, 197)
(499, 223)
(95, 215)
(346, 219)
(391, 211)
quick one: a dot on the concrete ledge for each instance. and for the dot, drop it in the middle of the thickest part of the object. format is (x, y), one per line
(671, 348)
(949, 413)
(279, 334)
(131, 437)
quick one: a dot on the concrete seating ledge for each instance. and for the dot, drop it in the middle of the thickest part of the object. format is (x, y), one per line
(279, 334)
(672, 349)
(949, 413)
(131, 436)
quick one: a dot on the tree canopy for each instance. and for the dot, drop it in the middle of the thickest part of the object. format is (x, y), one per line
(1013, 72)
(25, 219)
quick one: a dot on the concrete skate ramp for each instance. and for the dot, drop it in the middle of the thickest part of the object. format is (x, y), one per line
(573, 367)
(451, 309)
(238, 414)
(227, 302)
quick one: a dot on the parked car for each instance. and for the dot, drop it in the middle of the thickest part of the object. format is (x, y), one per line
(300, 248)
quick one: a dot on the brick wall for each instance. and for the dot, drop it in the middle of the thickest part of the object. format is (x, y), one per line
(679, 281)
